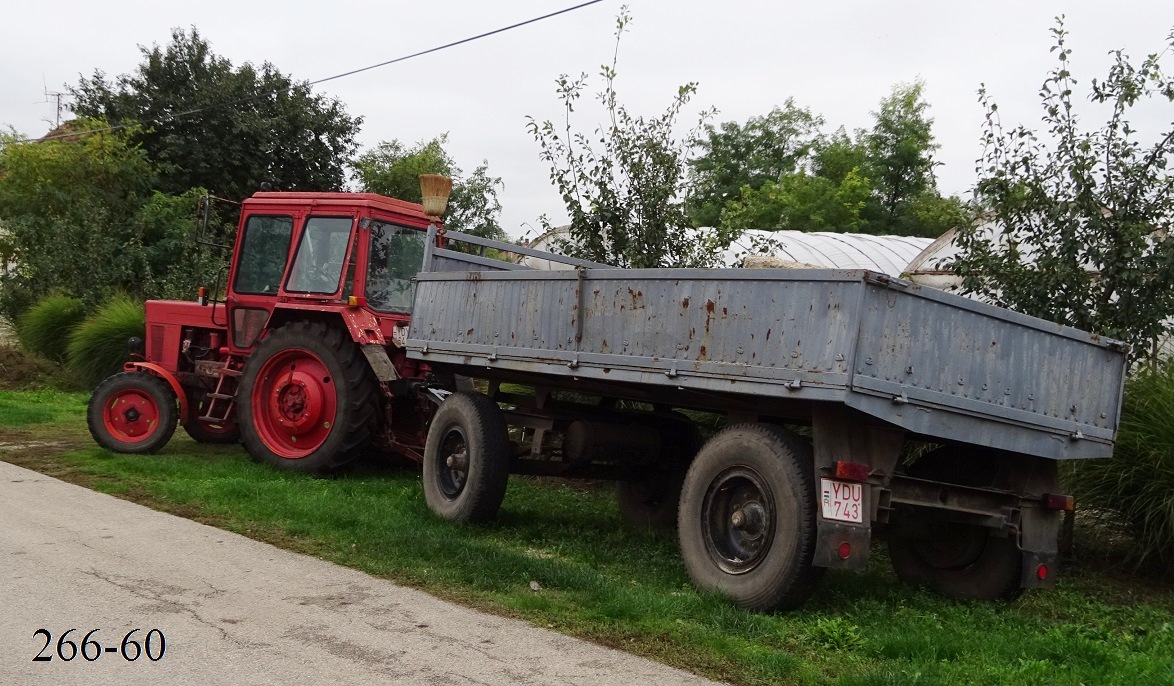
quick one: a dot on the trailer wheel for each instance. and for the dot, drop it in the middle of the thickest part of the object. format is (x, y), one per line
(652, 501)
(132, 412)
(207, 432)
(963, 561)
(306, 399)
(466, 459)
(747, 518)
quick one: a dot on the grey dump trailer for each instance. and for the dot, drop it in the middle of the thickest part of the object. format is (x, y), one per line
(824, 380)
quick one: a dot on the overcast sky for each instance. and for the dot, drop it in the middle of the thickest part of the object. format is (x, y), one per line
(837, 58)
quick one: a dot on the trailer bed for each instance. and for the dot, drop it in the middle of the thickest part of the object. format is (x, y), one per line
(936, 364)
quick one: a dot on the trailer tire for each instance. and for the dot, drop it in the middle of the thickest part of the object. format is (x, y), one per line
(961, 561)
(652, 502)
(307, 399)
(466, 459)
(747, 518)
(132, 412)
(205, 432)
(967, 563)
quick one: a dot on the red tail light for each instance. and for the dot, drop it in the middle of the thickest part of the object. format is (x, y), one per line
(1055, 501)
(851, 471)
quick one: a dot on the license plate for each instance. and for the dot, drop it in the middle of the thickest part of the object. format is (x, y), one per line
(842, 501)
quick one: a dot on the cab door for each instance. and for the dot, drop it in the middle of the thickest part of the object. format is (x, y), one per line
(263, 253)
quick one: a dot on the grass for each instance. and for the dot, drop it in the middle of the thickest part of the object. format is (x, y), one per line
(45, 327)
(97, 347)
(1135, 489)
(626, 588)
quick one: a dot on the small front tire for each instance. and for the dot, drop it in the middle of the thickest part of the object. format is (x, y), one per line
(132, 412)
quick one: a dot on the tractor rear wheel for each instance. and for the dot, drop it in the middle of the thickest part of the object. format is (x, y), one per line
(307, 399)
(132, 412)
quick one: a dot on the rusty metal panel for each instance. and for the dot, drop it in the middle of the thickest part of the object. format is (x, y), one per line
(933, 363)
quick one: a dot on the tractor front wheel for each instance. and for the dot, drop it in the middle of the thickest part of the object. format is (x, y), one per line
(132, 412)
(307, 399)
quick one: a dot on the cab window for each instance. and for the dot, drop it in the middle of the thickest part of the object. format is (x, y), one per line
(264, 251)
(393, 259)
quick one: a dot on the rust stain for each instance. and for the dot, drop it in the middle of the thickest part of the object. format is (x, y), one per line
(685, 301)
(603, 347)
(768, 334)
(704, 354)
(725, 312)
(469, 332)
(709, 306)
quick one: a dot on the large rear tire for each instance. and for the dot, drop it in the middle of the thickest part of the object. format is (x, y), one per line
(747, 518)
(132, 412)
(307, 399)
(466, 459)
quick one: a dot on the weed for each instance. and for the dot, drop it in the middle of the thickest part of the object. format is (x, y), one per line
(45, 327)
(97, 347)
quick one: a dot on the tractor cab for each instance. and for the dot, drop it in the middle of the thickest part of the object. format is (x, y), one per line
(299, 252)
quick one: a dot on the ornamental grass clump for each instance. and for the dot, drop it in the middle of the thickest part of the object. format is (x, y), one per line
(97, 347)
(44, 329)
(1134, 490)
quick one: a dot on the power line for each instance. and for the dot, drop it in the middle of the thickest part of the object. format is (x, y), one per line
(198, 110)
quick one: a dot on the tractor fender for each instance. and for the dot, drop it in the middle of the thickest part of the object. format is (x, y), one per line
(152, 368)
(363, 326)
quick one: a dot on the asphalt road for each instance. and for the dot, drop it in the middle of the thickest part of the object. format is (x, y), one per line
(235, 611)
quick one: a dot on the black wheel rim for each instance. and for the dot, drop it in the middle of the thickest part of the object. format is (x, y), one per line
(738, 520)
(452, 463)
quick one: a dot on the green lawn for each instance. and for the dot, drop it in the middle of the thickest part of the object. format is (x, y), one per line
(622, 587)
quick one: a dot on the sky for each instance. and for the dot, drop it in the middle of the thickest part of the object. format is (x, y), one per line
(838, 59)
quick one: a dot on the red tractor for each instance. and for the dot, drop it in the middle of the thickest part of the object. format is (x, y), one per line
(302, 360)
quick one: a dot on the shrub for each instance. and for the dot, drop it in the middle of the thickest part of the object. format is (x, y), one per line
(1135, 489)
(45, 327)
(97, 347)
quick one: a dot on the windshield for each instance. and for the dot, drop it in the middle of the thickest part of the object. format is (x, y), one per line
(321, 255)
(394, 258)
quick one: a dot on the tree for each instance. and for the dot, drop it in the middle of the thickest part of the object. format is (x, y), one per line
(734, 157)
(208, 124)
(625, 193)
(82, 219)
(1077, 220)
(877, 181)
(802, 202)
(392, 169)
(900, 150)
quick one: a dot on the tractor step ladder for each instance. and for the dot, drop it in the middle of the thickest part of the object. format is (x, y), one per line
(221, 403)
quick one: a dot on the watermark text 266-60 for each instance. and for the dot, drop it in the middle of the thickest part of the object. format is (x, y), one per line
(152, 645)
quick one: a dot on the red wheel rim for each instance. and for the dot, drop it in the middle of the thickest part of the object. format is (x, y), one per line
(294, 403)
(131, 416)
